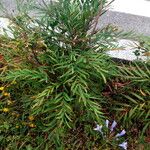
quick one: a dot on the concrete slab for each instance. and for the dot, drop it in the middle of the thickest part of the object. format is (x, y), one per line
(135, 7)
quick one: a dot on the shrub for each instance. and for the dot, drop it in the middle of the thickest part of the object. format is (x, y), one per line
(54, 71)
(57, 72)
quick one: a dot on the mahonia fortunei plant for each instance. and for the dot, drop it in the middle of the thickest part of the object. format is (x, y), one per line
(59, 65)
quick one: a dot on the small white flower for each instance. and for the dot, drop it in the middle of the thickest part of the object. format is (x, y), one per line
(122, 133)
(123, 145)
(98, 128)
(107, 123)
(113, 125)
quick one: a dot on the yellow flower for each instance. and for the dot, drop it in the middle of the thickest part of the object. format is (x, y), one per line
(6, 94)
(31, 118)
(1, 88)
(31, 125)
(17, 127)
(5, 110)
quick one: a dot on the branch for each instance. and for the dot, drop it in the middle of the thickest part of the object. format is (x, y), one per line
(98, 15)
(97, 18)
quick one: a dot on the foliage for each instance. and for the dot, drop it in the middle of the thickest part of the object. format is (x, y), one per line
(130, 98)
(54, 73)
(139, 74)
(57, 72)
(145, 45)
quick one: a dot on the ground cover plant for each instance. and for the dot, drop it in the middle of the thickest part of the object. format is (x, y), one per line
(58, 85)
